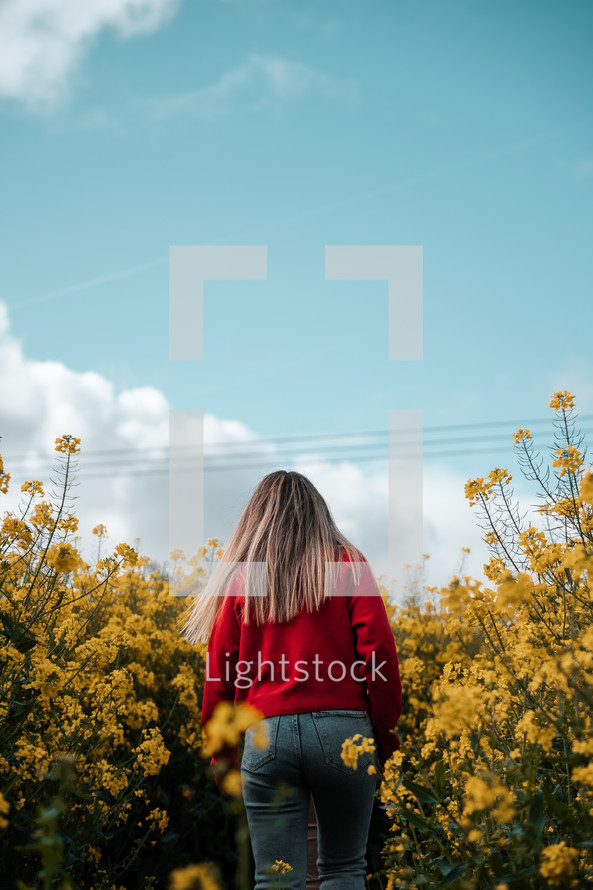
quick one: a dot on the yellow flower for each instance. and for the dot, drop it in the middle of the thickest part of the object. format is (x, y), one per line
(18, 530)
(63, 557)
(498, 475)
(534, 733)
(460, 708)
(562, 400)
(228, 723)
(151, 753)
(68, 523)
(159, 819)
(558, 860)
(476, 487)
(33, 486)
(94, 854)
(481, 794)
(513, 592)
(569, 459)
(281, 867)
(4, 478)
(195, 877)
(129, 554)
(231, 783)
(521, 434)
(586, 487)
(583, 774)
(67, 443)
(495, 569)
(351, 749)
(4, 808)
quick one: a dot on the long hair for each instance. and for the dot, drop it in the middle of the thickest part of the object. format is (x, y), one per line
(288, 527)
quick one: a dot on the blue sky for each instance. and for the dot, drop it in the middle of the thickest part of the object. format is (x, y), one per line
(465, 128)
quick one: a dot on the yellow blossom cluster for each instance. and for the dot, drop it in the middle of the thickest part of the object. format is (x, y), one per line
(586, 487)
(558, 862)
(151, 753)
(4, 808)
(281, 867)
(521, 434)
(232, 784)
(482, 791)
(4, 478)
(570, 459)
(203, 876)
(15, 531)
(560, 401)
(228, 725)
(481, 486)
(67, 444)
(497, 729)
(63, 557)
(91, 662)
(354, 747)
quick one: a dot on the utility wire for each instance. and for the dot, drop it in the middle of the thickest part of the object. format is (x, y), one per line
(161, 468)
(109, 465)
(135, 452)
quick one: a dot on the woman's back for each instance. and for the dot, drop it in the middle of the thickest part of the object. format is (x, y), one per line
(341, 656)
(306, 642)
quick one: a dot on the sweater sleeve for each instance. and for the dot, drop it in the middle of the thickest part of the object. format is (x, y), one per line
(375, 646)
(221, 663)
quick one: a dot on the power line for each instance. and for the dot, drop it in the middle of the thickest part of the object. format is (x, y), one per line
(135, 454)
(162, 468)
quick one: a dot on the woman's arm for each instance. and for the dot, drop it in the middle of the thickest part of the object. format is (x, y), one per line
(219, 684)
(375, 645)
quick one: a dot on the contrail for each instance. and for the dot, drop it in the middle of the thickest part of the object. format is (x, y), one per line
(307, 214)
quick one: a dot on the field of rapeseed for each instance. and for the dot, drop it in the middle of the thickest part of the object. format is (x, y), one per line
(104, 781)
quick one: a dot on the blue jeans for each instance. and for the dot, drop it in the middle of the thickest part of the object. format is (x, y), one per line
(302, 759)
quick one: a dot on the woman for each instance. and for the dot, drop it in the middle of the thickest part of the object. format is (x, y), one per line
(297, 628)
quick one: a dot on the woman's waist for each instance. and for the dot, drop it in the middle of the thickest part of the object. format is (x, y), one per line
(273, 699)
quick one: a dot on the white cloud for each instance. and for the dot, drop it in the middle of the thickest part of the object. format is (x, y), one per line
(123, 484)
(358, 500)
(42, 42)
(260, 82)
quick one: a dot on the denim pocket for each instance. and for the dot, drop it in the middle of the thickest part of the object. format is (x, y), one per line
(254, 757)
(334, 727)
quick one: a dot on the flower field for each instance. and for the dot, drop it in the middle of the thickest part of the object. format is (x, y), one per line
(104, 780)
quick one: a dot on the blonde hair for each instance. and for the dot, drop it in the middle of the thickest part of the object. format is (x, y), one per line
(288, 526)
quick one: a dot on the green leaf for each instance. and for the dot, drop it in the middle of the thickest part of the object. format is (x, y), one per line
(444, 866)
(439, 777)
(422, 792)
(20, 637)
(453, 875)
(420, 822)
(518, 876)
(537, 818)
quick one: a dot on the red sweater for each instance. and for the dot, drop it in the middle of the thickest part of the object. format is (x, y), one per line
(286, 668)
